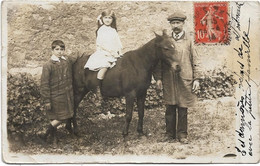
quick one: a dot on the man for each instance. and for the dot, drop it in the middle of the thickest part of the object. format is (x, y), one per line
(177, 85)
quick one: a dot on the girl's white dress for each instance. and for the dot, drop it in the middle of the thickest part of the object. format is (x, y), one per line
(108, 49)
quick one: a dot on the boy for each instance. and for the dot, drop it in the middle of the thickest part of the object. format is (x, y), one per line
(57, 90)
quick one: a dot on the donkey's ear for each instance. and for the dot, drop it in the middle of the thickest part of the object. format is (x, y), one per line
(165, 32)
(156, 35)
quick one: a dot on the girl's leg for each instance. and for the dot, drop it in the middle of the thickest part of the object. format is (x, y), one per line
(100, 77)
(101, 73)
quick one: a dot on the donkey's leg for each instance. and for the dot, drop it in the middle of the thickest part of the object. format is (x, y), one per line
(78, 96)
(140, 106)
(74, 121)
(70, 121)
(77, 99)
(129, 111)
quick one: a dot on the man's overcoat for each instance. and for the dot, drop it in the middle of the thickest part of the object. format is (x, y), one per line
(177, 85)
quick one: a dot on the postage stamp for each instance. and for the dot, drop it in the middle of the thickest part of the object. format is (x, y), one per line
(130, 81)
(211, 22)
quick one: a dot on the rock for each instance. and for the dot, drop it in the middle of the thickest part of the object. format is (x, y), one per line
(47, 7)
(36, 72)
(126, 7)
(37, 17)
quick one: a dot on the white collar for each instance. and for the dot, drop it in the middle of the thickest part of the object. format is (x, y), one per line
(56, 59)
(177, 36)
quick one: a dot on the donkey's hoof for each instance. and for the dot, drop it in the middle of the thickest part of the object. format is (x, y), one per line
(141, 134)
(140, 131)
(69, 130)
(125, 134)
(76, 133)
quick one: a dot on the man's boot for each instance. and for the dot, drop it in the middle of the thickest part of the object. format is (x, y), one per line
(170, 120)
(182, 127)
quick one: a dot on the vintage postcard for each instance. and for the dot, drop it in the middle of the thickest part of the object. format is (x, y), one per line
(130, 81)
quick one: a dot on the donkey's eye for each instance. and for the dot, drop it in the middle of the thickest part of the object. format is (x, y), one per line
(166, 48)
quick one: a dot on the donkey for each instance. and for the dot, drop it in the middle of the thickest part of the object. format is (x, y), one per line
(131, 78)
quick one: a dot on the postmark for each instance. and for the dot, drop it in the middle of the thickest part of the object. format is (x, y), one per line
(211, 23)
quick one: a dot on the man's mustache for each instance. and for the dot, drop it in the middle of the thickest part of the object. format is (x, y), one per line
(178, 29)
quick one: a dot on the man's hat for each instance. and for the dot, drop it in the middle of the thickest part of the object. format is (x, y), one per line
(177, 16)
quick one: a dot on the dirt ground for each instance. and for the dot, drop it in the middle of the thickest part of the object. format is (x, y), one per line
(211, 132)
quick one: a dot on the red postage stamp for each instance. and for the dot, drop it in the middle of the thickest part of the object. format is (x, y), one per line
(211, 23)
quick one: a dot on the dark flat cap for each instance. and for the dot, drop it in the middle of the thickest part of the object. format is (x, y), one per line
(177, 16)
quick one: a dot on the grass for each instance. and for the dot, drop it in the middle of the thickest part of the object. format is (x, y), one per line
(211, 132)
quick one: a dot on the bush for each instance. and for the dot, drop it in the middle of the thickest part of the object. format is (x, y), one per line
(24, 109)
(216, 83)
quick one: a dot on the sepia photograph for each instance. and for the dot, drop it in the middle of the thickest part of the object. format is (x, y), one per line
(130, 81)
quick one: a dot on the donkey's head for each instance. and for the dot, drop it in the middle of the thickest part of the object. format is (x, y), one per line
(166, 50)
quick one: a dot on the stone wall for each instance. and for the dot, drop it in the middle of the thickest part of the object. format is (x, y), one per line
(32, 28)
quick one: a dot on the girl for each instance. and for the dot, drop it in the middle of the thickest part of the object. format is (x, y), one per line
(108, 45)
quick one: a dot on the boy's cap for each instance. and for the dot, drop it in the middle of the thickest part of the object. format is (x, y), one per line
(177, 16)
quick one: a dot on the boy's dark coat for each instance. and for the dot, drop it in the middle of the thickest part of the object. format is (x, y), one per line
(56, 88)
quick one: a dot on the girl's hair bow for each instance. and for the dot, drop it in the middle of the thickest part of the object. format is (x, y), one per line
(99, 19)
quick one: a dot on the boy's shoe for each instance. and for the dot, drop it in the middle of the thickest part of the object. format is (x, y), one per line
(40, 139)
(48, 132)
(55, 141)
(53, 137)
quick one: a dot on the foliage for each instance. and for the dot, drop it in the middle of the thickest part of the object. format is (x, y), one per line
(215, 84)
(24, 108)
